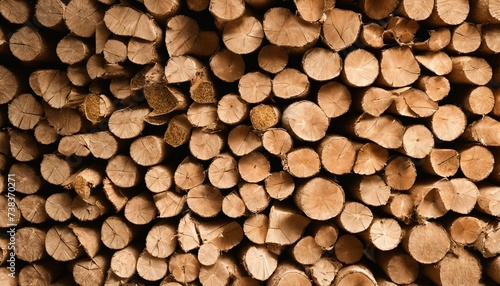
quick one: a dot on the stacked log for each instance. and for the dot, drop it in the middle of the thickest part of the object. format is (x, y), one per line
(249, 142)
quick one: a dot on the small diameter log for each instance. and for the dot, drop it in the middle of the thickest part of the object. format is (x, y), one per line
(288, 274)
(441, 162)
(164, 98)
(27, 45)
(400, 173)
(255, 228)
(466, 229)
(470, 70)
(334, 98)
(45, 133)
(97, 107)
(373, 100)
(281, 233)
(441, 16)
(90, 209)
(143, 52)
(438, 40)
(148, 150)
(24, 111)
(184, 267)
(208, 254)
(202, 115)
(189, 174)
(370, 190)
(325, 234)
(58, 206)
(140, 210)
(169, 204)
(77, 74)
(29, 180)
(82, 17)
(492, 269)
(418, 141)
(400, 267)
(337, 154)
(476, 162)
(322, 64)
(161, 240)
(37, 274)
(10, 85)
(264, 116)
(487, 243)
(277, 141)
(233, 206)
(128, 122)
(465, 38)
(202, 89)
(341, 28)
(355, 217)
(254, 87)
(225, 234)
(302, 162)
(142, 26)
(400, 206)
(466, 195)
(371, 35)
(205, 145)
(178, 131)
(23, 146)
(436, 87)
(306, 251)
(232, 109)
(71, 50)
(30, 244)
(259, 262)
(32, 209)
(488, 36)
(478, 100)
(117, 233)
(323, 271)
(320, 198)
(280, 22)
(272, 59)
(49, 13)
(223, 172)
(89, 238)
(459, 266)
(254, 167)
(243, 35)
(488, 201)
(485, 131)
(217, 274)
(227, 65)
(279, 185)
(412, 102)
(361, 68)
(305, 120)
(115, 50)
(123, 171)
(448, 122)
(432, 199)
(182, 69)
(242, 140)
(290, 83)
(398, 67)
(159, 178)
(254, 196)
(437, 62)
(151, 268)
(62, 244)
(348, 249)
(86, 180)
(205, 200)
(427, 243)
(55, 170)
(385, 130)
(415, 10)
(124, 262)
(370, 159)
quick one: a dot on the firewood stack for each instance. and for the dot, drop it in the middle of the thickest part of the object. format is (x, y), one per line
(256, 142)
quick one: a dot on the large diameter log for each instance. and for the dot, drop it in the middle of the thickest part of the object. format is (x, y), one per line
(427, 243)
(460, 266)
(279, 23)
(243, 35)
(465, 38)
(441, 15)
(288, 274)
(357, 273)
(49, 13)
(415, 9)
(482, 11)
(448, 122)
(62, 244)
(30, 244)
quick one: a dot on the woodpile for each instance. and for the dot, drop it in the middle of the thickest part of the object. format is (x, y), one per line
(250, 142)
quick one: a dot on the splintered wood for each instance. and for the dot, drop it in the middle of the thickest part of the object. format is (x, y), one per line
(250, 142)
